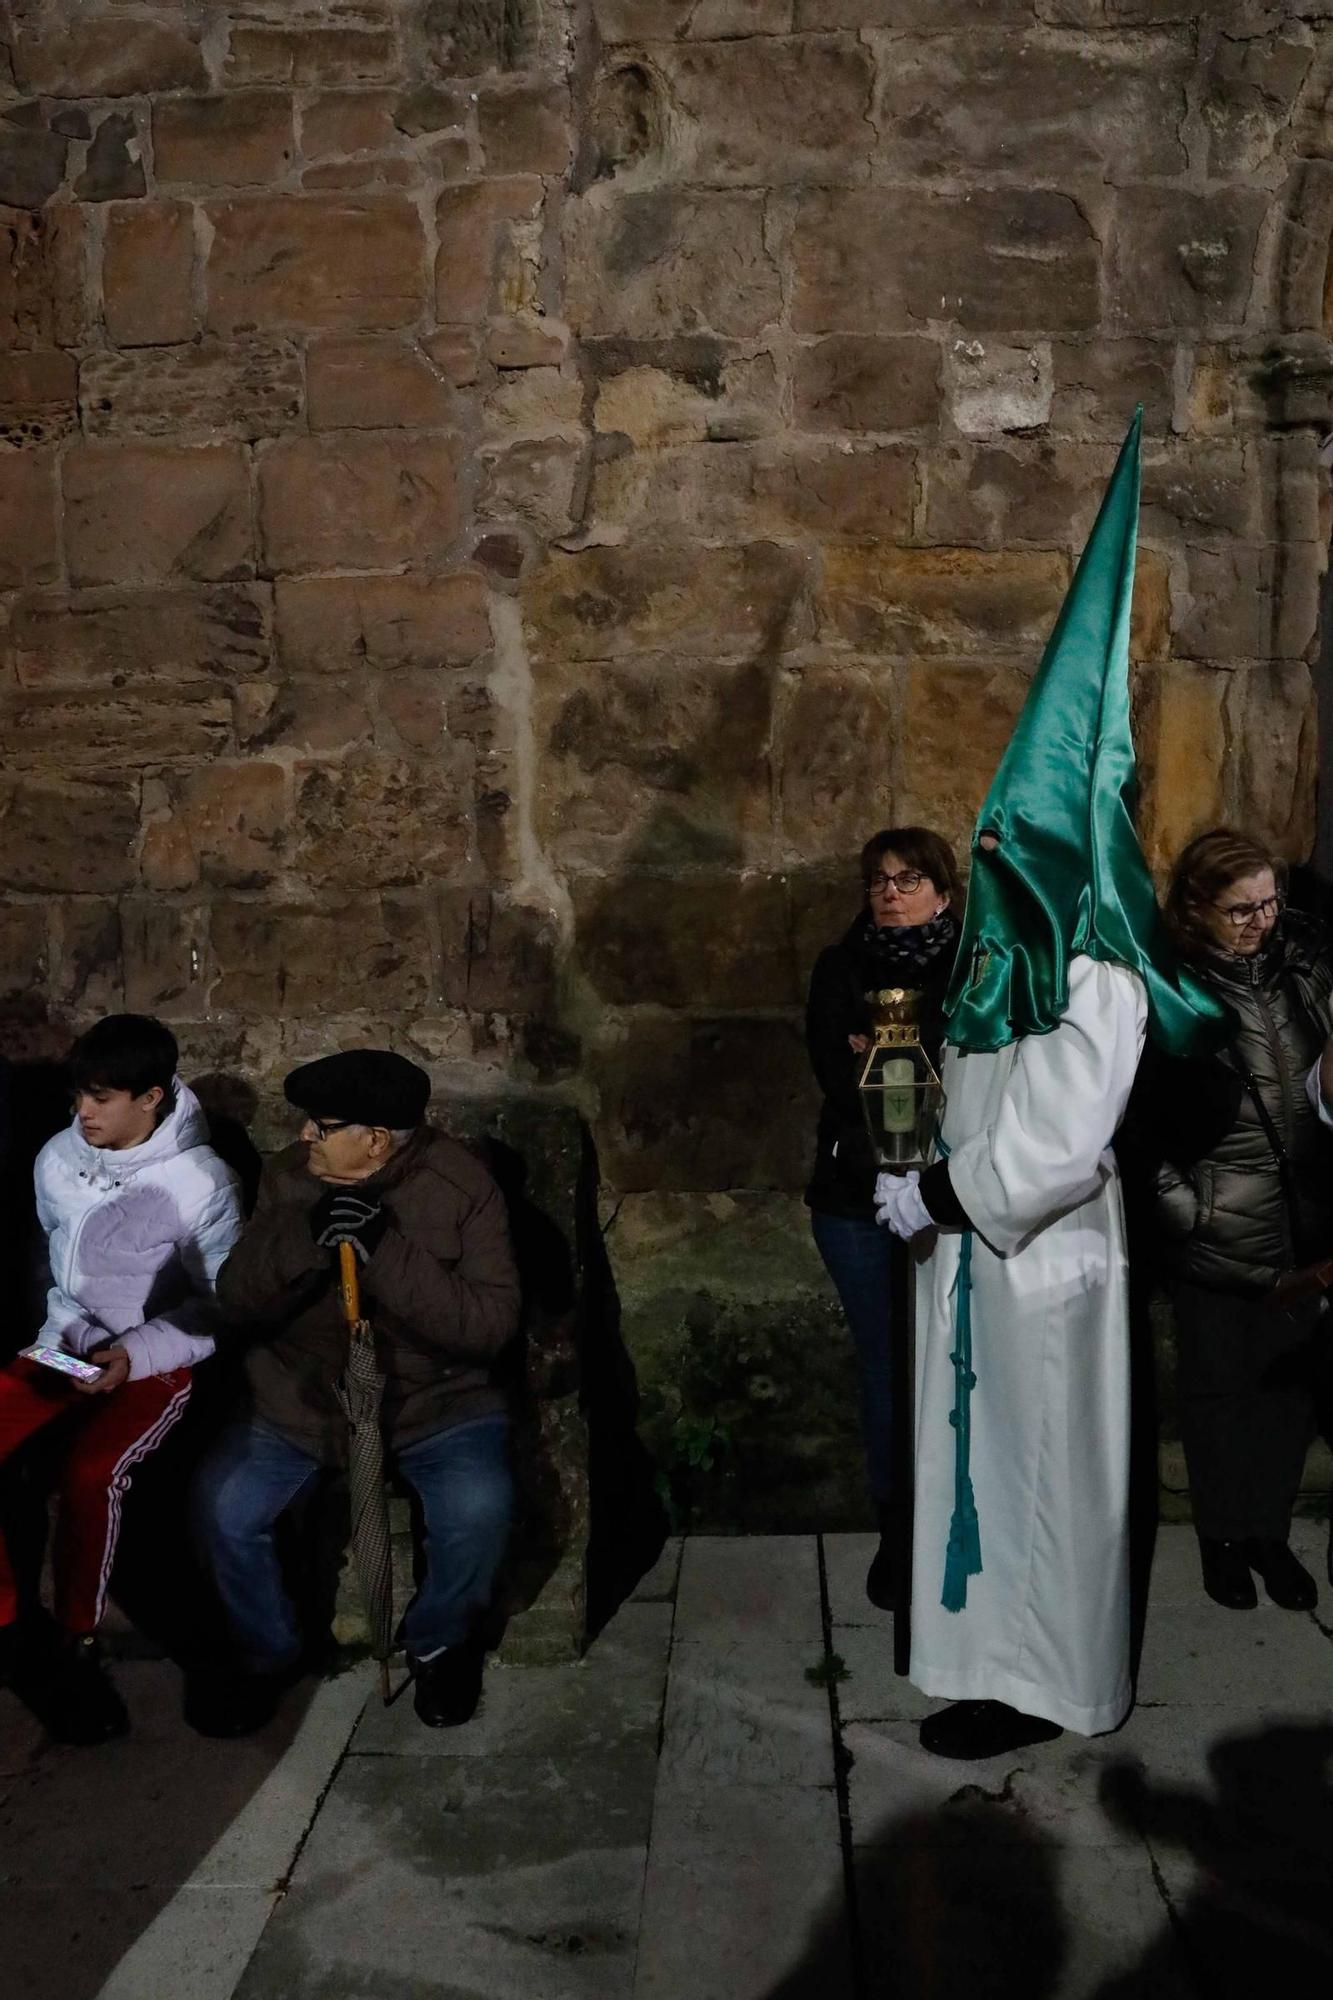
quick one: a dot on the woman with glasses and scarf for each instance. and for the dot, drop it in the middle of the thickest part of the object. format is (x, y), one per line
(1245, 1194)
(905, 935)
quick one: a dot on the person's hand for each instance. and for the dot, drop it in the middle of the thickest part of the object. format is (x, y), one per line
(1326, 1074)
(114, 1363)
(899, 1207)
(858, 1044)
(342, 1216)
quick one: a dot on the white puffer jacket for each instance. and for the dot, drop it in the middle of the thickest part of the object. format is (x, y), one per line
(135, 1240)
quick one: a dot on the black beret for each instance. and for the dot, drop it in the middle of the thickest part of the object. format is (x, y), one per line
(362, 1086)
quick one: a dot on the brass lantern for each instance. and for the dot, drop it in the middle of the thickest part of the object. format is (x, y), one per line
(901, 1094)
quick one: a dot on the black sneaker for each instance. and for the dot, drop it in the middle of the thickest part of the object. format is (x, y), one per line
(79, 1703)
(224, 1701)
(974, 1729)
(1287, 1581)
(1226, 1574)
(448, 1686)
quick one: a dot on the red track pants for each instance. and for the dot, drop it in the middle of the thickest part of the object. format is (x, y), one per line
(111, 1435)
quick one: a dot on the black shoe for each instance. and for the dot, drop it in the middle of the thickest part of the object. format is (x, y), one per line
(1287, 1581)
(29, 1649)
(448, 1686)
(1226, 1574)
(78, 1703)
(973, 1729)
(223, 1701)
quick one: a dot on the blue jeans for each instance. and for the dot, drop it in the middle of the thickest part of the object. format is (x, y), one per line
(857, 1256)
(254, 1474)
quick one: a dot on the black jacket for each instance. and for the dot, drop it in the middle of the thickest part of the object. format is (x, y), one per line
(1244, 1188)
(843, 1181)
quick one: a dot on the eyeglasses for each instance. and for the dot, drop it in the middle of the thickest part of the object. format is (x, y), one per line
(1241, 914)
(323, 1126)
(907, 881)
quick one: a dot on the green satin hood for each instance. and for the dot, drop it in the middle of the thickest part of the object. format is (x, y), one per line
(1069, 875)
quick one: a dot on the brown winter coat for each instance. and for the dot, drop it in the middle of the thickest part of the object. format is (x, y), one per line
(441, 1293)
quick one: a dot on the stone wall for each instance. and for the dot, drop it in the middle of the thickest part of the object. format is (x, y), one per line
(498, 497)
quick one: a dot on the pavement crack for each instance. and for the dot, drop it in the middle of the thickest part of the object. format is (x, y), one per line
(842, 1764)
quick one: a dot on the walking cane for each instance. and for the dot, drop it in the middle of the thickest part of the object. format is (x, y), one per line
(360, 1392)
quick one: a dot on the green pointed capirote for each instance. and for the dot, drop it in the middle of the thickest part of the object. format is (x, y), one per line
(1067, 874)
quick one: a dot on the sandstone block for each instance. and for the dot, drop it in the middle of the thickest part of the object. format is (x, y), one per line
(987, 101)
(526, 343)
(453, 349)
(311, 54)
(371, 822)
(412, 710)
(359, 500)
(993, 388)
(323, 718)
(148, 274)
(38, 397)
(643, 20)
(1098, 382)
(165, 948)
(826, 898)
(113, 169)
(95, 727)
(24, 952)
(240, 388)
(242, 139)
(1181, 738)
(604, 603)
(32, 166)
(89, 974)
(43, 277)
(526, 128)
(994, 259)
(1251, 603)
(954, 725)
(867, 382)
(1272, 715)
(533, 402)
(156, 513)
(767, 112)
(1230, 388)
(536, 480)
(672, 941)
(223, 824)
(1150, 612)
(321, 261)
(107, 56)
(928, 14)
(339, 122)
(374, 384)
(940, 601)
(1197, 490)
(657, 764)
(754, 491)
(1180, 259)
(995, 495)
(46, 820)
(343, 624)
(837, 746)
(375, 175)
(1251, 86)
(675, 391)
(680, 1108)
(478, 228)
(29, 542)
(304, 963)
(670, 261)
(106, 639)
(511, 954)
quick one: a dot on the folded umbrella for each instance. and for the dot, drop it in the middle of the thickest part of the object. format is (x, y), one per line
(360, 1393)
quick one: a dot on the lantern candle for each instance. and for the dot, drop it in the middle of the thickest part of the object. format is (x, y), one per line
(897, 1077)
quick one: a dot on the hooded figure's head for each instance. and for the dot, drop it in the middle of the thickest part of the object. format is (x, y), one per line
(1056, 864)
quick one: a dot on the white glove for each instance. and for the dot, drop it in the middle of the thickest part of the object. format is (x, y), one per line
(899, 1206)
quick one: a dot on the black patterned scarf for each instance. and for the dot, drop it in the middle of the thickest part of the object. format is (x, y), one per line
(906, 954)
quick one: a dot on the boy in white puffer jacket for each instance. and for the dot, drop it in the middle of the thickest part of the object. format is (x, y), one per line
(139, 1214)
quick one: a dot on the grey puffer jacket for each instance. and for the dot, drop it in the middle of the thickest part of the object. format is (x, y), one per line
(1245, 1191)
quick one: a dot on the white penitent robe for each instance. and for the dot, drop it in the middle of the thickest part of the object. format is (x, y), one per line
(1046, 1623)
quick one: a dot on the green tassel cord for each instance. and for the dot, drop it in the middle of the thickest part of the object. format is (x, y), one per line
(963, 1558)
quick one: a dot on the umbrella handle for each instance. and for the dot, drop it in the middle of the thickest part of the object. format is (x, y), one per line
(349, 1283)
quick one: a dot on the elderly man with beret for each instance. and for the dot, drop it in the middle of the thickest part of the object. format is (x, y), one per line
(441, 1290)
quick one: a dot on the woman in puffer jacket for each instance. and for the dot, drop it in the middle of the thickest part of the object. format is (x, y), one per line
(1245, 1195)
(139, 1214)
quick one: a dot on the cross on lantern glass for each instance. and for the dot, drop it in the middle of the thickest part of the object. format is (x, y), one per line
(900, 1091)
